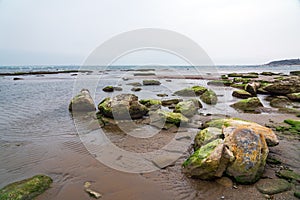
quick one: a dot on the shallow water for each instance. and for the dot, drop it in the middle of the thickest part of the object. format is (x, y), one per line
(37, 135)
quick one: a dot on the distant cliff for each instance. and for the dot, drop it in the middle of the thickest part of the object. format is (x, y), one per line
(285, 62)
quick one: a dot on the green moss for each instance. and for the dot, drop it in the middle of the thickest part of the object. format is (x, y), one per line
(224, 76)
(288, 174)
(220, 82)
(248, 105)
(207, 135)
(239, 86)
(295, 125)
(202, 153)
(241, 80)
(26, 189)
(108, 89)
(150, 102)
(209, 97)
(191, 91)
(218, 123)
(104, 109)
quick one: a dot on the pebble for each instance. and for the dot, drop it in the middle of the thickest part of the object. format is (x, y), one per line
(93, 193)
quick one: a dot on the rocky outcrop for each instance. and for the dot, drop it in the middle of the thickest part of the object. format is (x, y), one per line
(82, 102)
(161, 117)
(191, 91)
(235, 147)
(209, 97)
(294, 96)
(286, 86)
(123, 106)
(280, 102)
(248, 105)
(26, 189)
(220, 82)
(252, 88)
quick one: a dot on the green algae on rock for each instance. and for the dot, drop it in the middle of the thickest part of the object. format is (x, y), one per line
(187, 108)
(151, 82)
(280, 102)
(220, 82)
(288, 175)
(294, 96)
(248, 105)
(168, 117)
(209, 97)
(273, 186)
(191, 91)
(209, 161)
(26, 189)
(108, 88)
(207, 135)
(241, 94)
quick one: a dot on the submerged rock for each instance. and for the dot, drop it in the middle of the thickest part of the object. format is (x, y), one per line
(82, 102)
(273, 186)
(191, 91)
(220, 82)
(26, 189)
(250, 151)
(241, 94)
(151, 82)
(123, 106)
(209, 161)
(209, 97)
(248, 105)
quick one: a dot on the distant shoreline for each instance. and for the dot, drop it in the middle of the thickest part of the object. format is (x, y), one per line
(284, 62)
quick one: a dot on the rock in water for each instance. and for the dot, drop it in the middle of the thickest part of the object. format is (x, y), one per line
(191, 91)
(294, 96)
(280, 102)
(187, 108)
(162, 116)
(123, 106)
(108, 89)
(26, 189)
(82, 102)
(248, 105)
(241, 94)
(151, 82)
(209, 161)
(250, 151)
(284, 87)
(209, 97)
(252, 88)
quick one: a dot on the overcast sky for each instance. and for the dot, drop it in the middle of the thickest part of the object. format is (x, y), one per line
(67, 31)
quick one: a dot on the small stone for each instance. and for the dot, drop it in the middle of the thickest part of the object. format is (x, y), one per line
(87, 184)
(93, 193)
(234, 187)
(136, 89)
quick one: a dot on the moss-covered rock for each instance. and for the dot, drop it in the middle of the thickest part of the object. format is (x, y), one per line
(191, 91)
(206, 136)
(162, 117)
(252, 88)
(239, 86)
(250, 151)
(108, 88)
(283, 88)
(152, 104)
(123, 106)
(268, 134)
(289, 175)
(294, 96)
(151, 82)
(209, 97)
(136, 89)
(26, 189)
(248, 105)
(241, 94)
(220, 82)
(209, 161)
(187, 108)
(169, 102)
(273, 186)
(82, 102)
(280, 102)
(241, 80)
(295, 125)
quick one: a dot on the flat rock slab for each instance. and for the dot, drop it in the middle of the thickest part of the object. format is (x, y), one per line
(273, 186)
(164, 161)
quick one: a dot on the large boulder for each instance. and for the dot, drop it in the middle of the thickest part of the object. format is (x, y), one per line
(26, 189)
(191, 91)
(209, 97)
(123, 106)
(209, 161)
(82, 102)
(187, 108)
(269, 135)
(250, 151)
(207, 135)
(241, 94)
(248, 105)
(252, 88)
